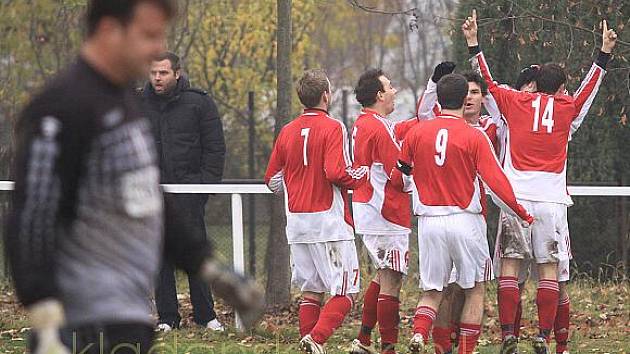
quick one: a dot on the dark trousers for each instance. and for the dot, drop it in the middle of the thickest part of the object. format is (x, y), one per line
(191, 209)
(128, 338)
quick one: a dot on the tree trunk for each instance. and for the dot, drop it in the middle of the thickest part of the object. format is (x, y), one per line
(278, 270)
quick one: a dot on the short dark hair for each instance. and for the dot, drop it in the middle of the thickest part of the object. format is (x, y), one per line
(550, 77)
(311, 87)
(527, 75)
(368, 87)
(472, 76)
(172, 58)
(122, 10)
(452, 90)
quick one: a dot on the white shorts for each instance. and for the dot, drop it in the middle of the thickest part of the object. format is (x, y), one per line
(388, 251)
(459, 241)
(546, 241)
(325, 267)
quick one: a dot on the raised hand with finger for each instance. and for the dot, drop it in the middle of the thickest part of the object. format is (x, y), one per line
(470, 29)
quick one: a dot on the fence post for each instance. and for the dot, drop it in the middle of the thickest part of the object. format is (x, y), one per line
(237, 243)
(252, 197)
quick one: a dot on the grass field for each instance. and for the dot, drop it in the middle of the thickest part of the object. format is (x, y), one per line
(600, 315)
(600, 324)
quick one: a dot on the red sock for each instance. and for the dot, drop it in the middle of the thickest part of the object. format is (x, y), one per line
(422, 321)
(388, 318)
(517, 321)
(308, 315)
(442, 339)
(561, 326)
(468, 336)
(331, 317)
(368, 320)
(508, 299)
(547, 302)
(454, 332)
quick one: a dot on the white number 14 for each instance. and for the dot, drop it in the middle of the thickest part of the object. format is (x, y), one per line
(547, 117)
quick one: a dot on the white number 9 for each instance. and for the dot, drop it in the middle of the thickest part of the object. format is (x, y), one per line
(440, 147)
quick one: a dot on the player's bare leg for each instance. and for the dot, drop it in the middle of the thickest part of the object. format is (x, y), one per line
(470, 321)
(508, 297)
(547, 302)
(459, 298)
(446, 324)
(561, 325)
(426, 312)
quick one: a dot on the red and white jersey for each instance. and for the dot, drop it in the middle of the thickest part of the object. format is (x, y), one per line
(448, 157)
(378, 207)
(428, 108)
(538, 128)
(401, 128)
(311, 164)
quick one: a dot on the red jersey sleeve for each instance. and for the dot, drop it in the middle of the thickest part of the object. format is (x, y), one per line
(503, 96)
(274, 175)
(388, 150)
(494, 177)
(337, 165)
(586, 93)
(406, 152)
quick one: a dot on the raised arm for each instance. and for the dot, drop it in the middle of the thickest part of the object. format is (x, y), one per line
(427, 107)
(502, 95)
(589, 87)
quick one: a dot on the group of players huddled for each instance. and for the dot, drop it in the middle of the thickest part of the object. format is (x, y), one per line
(447, 158)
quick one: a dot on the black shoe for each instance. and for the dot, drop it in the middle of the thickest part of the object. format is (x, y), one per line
(509, 345)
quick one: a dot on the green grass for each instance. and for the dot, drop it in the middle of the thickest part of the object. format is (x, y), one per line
(600, 315)
(600, 323)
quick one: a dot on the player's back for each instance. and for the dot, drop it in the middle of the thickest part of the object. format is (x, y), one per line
(444, 171)
(310, 161)
(305, 141)
(539, 127)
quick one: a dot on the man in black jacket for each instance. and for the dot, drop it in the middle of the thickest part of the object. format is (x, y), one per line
(191, 149)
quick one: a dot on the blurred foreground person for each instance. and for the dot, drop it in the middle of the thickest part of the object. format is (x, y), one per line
(84, 236)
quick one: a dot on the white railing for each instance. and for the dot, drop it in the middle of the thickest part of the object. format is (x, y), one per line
(237, 190)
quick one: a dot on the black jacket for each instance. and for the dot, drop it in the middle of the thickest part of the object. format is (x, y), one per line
(188, 134)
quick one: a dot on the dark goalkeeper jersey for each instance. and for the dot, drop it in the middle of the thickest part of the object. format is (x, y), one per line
(86, 218)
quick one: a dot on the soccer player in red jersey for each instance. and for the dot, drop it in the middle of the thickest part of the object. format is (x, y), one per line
(311, 165)
(447, 157)
(382, 213)
(539, 127)
(446, 327)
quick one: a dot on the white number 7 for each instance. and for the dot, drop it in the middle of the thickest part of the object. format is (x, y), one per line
(547, 117)
(304, 133)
